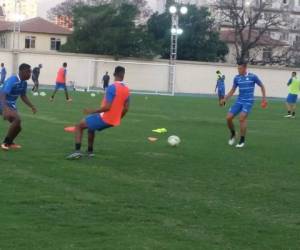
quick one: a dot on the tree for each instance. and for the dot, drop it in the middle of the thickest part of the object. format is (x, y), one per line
(199, 41)
(111, 30)
(251, 21)
(66, 8)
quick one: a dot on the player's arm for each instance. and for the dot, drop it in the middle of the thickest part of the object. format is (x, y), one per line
(263, 92)
(289, 82)
(229, 95)
(28, 103)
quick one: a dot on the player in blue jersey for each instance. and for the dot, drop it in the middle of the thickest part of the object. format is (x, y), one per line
(14, 87)
(220, 86)
(246, 83)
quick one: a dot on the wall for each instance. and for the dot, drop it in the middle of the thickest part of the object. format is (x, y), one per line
(191, 77)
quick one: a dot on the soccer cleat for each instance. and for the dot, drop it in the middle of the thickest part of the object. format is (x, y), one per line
(5, 146)
(74, 156)
(51, 99)
(288, 116)
(293, 116)
(240, 145)
(14, 146)
(69, 100)
(231, 141)
(90, 154)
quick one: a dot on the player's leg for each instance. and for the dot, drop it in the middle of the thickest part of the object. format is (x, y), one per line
(54, 92)
(80, 127)
(91, 138)
(13, 131)
(233, 111)
(67, 94)
(246, 109)
(243, 129)
(290, 100)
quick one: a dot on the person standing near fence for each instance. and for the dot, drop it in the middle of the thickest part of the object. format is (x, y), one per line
(61, 82)
(220, 86)
(105, 80)
(3, 74)
(291, 100)
(35, 77)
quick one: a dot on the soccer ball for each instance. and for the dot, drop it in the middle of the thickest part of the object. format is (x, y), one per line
(35, 93)
(93, 94)
(173, 140)
(42, 94)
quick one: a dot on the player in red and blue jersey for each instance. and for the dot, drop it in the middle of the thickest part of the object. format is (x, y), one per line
(246, 83)
(61, 79)
(14, 87)
(113, 108)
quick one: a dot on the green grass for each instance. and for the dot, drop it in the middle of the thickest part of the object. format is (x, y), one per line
(140, 195)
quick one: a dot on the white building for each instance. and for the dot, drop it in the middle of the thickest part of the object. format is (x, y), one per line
(34, 34)
(20, 9)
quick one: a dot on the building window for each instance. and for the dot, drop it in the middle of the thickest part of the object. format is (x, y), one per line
(55, 43)
(30, 42)
(2, 41)
(267, 54)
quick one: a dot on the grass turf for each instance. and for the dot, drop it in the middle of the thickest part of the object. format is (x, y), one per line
(140, 195)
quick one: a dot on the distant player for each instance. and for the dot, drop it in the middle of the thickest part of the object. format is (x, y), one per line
(114, 107)
(14, 87)
(244, 103)
(35, 77)
(3, 74)
(105, 80)
(61, 82)
(291, 100)
(220, 86)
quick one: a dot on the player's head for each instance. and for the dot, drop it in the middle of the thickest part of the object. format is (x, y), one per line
(2, 64)
(65, 64)
(242, 67)
(119, 73)
(294, 74)
(218, 72)
(40, 66)
(106, 72)
(24, 71)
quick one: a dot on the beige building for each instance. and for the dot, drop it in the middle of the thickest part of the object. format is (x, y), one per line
(35, 34)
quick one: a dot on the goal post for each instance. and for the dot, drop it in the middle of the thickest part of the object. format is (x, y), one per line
(141, 77)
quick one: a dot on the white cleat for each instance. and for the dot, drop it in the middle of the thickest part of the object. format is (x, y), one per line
(293, 116)
(75, 156)
(240, 145)
(231, 141)
(287, 116)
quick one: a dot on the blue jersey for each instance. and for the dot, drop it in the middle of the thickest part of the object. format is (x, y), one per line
(3, 74)
(246, 84)
(13, 87)
(221, 82)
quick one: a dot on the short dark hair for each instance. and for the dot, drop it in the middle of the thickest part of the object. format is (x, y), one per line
(294, 73)
(218, 72)
(24, 66)
(64, 64)
(242, 63)
(119, 71)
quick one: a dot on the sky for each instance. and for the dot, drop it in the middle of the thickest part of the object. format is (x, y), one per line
(45, 5)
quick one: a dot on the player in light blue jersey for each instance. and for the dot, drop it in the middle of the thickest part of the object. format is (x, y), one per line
(220, 86)
(14, 87)
(246, 83)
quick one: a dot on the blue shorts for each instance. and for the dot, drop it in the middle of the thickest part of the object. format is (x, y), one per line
(240, 107)
(95, 122)
(221, 92)
(60, 86)
(291, 98)
(13, 107)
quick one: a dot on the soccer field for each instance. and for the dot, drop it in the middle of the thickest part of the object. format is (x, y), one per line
(138, 195)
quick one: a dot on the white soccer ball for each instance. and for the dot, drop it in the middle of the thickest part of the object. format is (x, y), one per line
(93, 94)
(173, 140)
(35, 93)
(43, 94)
